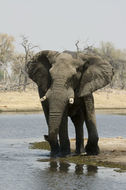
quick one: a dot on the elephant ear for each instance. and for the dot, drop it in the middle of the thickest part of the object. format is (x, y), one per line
(38, 69)
(97, 73)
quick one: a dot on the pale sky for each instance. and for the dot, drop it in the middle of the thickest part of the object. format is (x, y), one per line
(58, 24)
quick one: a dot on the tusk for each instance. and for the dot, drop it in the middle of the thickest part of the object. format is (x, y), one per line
(71, 100)
(43, 98)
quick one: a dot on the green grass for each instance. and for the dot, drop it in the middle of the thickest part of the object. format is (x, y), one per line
(40, 145)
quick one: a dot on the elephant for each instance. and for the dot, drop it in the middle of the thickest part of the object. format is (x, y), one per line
(66, 82)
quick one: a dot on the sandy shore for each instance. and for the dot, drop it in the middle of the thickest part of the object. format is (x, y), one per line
(29, 100)
(112, 152)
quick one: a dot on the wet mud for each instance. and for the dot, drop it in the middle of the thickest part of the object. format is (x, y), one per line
(112, 153)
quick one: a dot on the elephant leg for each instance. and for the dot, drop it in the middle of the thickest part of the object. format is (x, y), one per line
(90, 119)
(63, 137)
(53, 142)
(78, 121)
(54, 146)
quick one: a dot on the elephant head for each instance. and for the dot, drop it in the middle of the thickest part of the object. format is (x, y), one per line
(62, 79)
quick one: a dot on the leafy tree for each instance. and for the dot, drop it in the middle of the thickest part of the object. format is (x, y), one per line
(6, 52)
(1, 75)
(6, 48)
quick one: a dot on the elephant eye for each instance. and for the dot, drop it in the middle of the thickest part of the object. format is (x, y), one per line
(70, 82)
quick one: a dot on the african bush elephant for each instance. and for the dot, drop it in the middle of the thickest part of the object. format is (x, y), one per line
(66, 82)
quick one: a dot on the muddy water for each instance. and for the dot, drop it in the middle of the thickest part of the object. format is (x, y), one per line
(20, 168)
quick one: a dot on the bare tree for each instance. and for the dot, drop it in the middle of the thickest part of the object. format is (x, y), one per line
(28, 48)
(76, 44)
(17, 69)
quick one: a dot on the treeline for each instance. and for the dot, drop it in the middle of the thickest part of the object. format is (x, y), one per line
(13, 73)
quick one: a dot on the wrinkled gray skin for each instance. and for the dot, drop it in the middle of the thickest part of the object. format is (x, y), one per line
(64, 76)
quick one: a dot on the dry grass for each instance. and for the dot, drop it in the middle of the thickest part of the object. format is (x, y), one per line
(29, 100)
(110, 99)
(20, 101)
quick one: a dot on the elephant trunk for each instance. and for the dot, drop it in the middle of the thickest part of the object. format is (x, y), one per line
(54, 123)
(55, 120)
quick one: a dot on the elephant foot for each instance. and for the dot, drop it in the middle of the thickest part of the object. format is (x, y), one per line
(65, 154)
(91, 149)
(80, 150)
(54, 146)
(65, 148)
(54, 154)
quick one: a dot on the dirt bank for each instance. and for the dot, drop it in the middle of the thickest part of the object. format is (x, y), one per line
(112, 153)
(29, 100)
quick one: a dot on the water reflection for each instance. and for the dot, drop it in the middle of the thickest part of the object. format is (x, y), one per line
(60, 166)
(79, 169)
(91, 170)
(62, 175)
